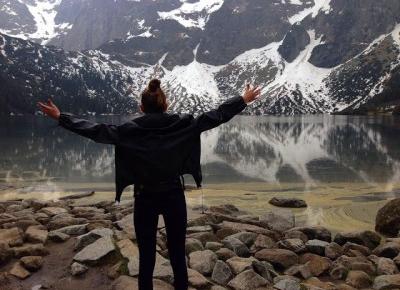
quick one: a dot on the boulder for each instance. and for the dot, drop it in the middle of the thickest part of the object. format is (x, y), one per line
(295, 245)
(288, 202)
(197, 229)
(95, 252)
(264, 269)
(246, 238)
(387, 282)
(74, 230)
(386, 266)
(295, 234)
(365, 267)
(388, 250)
(36, 234)
(126, 224)
(338, 272)
(225, 253)
(90, 237)
(203, 261)
(349, 248)
(244, 227)
(197, 280)
(333, 251)
(52, 211)
(58, 237)
(278, 257)
(369, 239)
(66, 222)
(301, 271)
(316, 246)
(213, 246)
(239, 264)
(287, 283)
(316, 264)
(221, 273)
(18, 271)
(78, 269)
(236, 246)
(30, 250)
(247, 280)
(32, 263)
(279, 220)
(387, 220)
(192, 245)
(5, 252)
(358, 279)
(263, 242)
(13, 236)
(315, 233)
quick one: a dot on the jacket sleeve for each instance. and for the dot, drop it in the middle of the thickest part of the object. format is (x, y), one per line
(226, 111)
(98, 132)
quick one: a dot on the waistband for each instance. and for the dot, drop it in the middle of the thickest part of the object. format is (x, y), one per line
(158, 186)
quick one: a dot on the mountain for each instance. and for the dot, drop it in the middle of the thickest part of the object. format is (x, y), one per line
(310, 56)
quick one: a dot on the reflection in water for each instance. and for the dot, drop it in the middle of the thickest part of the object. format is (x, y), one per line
(310, 150)
(345, 167)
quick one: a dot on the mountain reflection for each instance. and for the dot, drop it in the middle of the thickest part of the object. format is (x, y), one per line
(309, 149)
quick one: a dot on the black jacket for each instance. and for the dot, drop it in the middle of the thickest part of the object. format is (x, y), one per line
(155, 147)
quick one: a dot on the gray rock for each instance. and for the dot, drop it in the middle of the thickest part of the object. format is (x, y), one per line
(264, 269)
(30, 250)
(369, 239)
(288, 202)
(294, 42)
(225, 254)
(247, 280)
(287, 284)
(58, 237)
(279, 220)
(74, 230)
(126, 224)
(314, 233)
(333, 251)
(236, 246)
(316, 246)
(302, 271)
(348, 248)
(263, 242)
(196, 229)
(203, 261)
(295, 245)
(221, 273)
(213, 246)
(90, 237)
(52, 211)
(193, 245)
(93, 253)
(247, 238)
(78, 269)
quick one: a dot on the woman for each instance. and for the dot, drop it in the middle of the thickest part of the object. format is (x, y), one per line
(153, 152)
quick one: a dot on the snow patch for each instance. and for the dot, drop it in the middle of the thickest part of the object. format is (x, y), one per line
(44, 14)
(319, 5)
(2, 46)
(193, 14)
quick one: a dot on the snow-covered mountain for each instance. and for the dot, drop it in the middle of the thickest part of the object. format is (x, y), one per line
(310, 56)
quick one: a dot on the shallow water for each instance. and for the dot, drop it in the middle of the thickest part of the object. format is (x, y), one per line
(346, 167)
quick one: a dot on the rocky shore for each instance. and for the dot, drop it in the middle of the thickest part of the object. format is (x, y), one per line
(65, 245)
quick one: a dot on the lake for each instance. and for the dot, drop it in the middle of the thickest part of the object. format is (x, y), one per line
(345, 167)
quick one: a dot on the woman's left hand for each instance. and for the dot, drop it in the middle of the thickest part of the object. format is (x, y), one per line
(49, 109)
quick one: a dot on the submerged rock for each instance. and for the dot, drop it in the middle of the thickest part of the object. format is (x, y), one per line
(18, 271)
(288, 202)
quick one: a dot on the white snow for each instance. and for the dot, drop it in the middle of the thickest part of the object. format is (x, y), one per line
(319, 5)
(193, 14)
(2, 47)
(195, 79)
(396, 35)
(44, 14)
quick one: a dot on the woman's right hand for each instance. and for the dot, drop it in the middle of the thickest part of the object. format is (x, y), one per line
(251, 93)
(49, 109)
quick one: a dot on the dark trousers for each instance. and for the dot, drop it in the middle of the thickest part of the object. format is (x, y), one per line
(172, 205)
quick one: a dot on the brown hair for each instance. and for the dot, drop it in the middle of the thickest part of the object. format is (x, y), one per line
(153, 98)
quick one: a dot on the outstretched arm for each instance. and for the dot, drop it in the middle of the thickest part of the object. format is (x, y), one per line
(227, 110)
(98, 132)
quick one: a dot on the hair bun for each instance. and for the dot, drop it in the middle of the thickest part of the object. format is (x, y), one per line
(154, 85)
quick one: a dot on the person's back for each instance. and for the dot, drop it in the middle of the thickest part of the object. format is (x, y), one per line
(152, 152)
